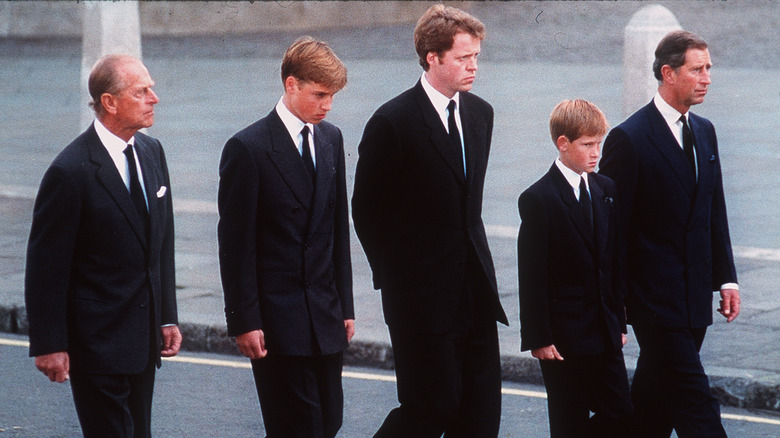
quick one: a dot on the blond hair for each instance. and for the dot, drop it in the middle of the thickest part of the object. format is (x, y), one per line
(576, 118)
(309, 60)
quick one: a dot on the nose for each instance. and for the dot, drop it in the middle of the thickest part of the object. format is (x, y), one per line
(153, 99)
(706, 77)
(472, 65)
(327, 103)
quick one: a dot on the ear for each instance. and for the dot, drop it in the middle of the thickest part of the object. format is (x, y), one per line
(109, 103)
(290, 84)
(562, 143)
(668, 74)
(431, 57)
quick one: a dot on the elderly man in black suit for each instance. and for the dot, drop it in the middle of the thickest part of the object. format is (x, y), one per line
(571, 282)
(284, 248)
(100, 287)
(664, 160)
(417, 208)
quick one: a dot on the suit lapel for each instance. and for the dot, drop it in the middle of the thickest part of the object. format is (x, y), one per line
(661, 137)
(326, 170)
(470, 140)
(285, 157)
(108, 175)
(149, 168)
(575, 211)
(600, 216)
(439, 138)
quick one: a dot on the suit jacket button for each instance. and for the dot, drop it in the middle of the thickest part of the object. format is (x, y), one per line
(295, 209)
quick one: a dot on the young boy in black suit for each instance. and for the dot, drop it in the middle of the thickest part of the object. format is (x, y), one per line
(571, 287)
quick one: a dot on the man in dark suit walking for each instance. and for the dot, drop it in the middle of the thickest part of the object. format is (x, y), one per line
(284, 248)
(417, 208)
(571, 284)
(99, 286)
(665, 163)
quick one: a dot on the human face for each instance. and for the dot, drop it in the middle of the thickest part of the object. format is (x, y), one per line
(582, 154)
(456, 68)
(688, 84)
(308, 101)
(133, 107)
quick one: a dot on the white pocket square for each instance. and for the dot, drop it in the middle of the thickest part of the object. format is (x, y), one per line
(161, 192)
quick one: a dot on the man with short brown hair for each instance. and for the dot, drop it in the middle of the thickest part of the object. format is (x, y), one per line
(417, 208)
(284, 248)
(664, 160)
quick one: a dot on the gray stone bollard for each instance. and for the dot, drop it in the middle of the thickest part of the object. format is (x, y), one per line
(109, 27)
(641, 36)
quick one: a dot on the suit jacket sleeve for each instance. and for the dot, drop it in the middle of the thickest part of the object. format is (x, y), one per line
(50, 252)
(723, 269)
(168, 311)
(619, 162)
(533, 260)
(238, 182)
(342, 259)
(371, 199)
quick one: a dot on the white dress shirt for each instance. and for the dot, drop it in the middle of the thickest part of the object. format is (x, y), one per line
(573, 178)
(440, 103)
(672, 118)
(116, 149)
(294, 126)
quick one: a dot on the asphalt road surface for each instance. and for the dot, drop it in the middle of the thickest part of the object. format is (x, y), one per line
(208, 395)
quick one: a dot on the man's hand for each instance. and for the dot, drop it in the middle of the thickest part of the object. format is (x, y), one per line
(252, 344)
(547, 353)
(349, 324)
(624, 338)
(171, 341)
(56, 366)
(729, 304)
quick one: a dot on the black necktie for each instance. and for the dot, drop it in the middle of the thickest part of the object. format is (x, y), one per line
(454, 134)
(308, 162)
(687, 137)
(136, 193)
(587, 206)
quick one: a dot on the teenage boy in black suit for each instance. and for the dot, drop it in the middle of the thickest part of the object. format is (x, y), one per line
(571, 287)
(284, 248)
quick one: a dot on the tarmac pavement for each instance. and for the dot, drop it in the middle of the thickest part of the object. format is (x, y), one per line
(207, 98)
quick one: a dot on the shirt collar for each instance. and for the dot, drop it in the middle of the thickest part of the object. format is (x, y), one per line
(671, 115)
(572, 177)
(293, 124)
(114, 144)
(438, 100)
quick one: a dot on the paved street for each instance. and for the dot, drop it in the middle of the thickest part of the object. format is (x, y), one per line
(209, 395)
(212, 87)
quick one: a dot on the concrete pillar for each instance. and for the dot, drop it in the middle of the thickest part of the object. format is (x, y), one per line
(641, 36)
(109, 27)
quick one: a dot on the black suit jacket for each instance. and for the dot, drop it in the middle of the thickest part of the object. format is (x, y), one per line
(284, 242)
(677, 245)
(415, 213)
(571, 288)
(91, 274)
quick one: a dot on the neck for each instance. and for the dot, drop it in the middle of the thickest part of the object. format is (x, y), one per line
(115, 128)
(668, 97)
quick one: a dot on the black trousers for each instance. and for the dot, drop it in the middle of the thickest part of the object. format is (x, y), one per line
(579, 385)
(449, 383)
(114, 405)
(670, 389)
(300, 397)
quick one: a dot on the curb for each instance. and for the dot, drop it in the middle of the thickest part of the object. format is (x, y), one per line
(737, 388)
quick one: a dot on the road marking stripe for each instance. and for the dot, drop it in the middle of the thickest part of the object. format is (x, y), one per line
(380, 378)
(14, 343)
